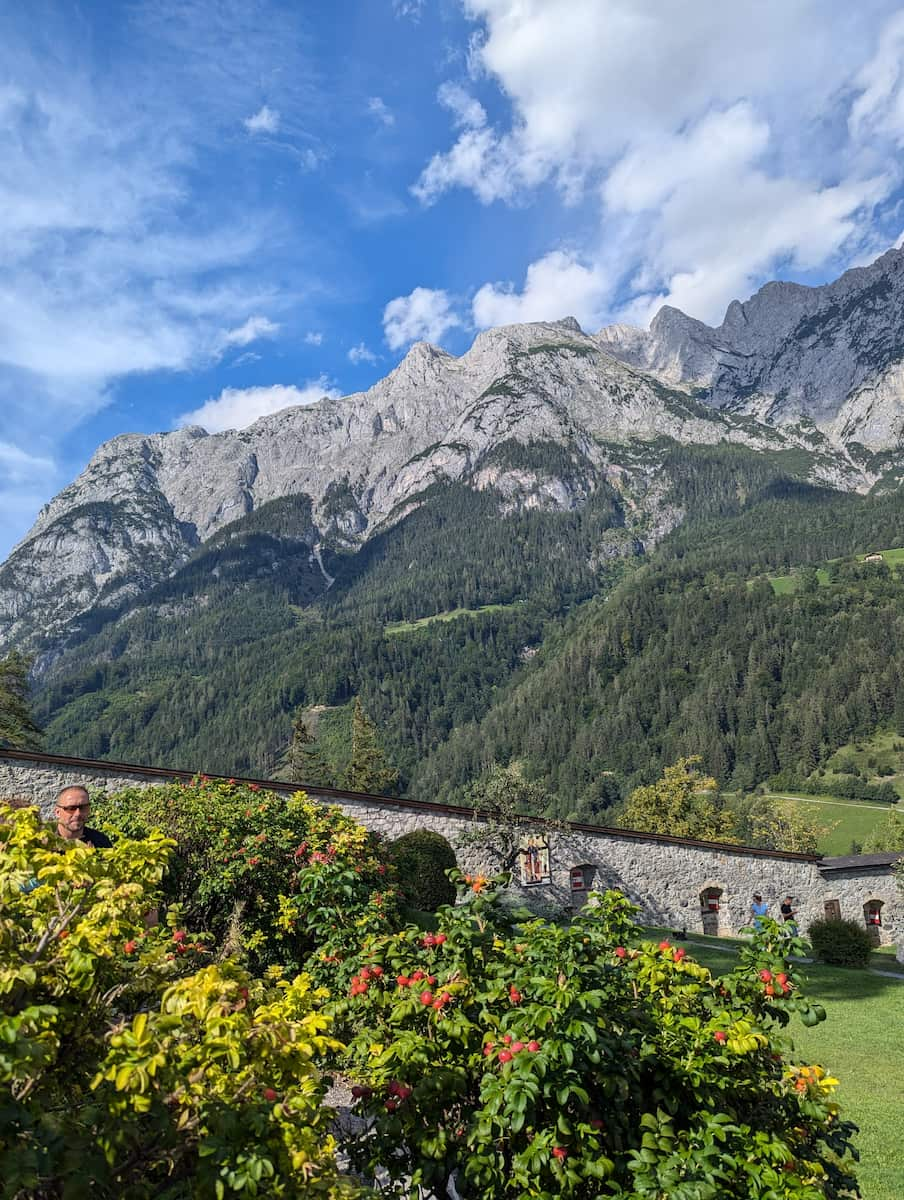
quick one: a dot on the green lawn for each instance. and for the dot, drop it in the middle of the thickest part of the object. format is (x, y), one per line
(884, 751)
(784, 585)
(860, 1042)
(853, 820)
(451, 615)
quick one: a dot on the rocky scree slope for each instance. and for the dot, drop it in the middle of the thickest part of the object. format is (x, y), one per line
(146, 502)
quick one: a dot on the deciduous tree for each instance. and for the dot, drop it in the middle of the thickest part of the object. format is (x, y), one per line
(683, 802)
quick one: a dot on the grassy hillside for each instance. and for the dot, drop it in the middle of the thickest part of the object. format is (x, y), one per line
(847, 823)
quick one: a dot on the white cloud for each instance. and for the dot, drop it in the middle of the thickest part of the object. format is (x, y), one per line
(713, 134)
(265, 120)
(491, 166)
(556, 286)
(711, 221)
(236, 408)
(378, 109)
(253, 329)
(313, 337)
(423, 315)
(880, 106)
(468, 112)
(408, 8)
(122, 250)
(360, 354)
(18, 466)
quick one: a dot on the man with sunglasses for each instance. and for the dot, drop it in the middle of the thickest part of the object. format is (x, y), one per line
(73, 804)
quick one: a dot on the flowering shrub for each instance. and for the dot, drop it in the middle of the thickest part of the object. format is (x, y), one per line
(576, 1061)
(273, 878)
(129, 1065)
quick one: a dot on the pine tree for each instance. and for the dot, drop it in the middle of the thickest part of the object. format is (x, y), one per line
(17, 726)
(369, 769)
(303, 762)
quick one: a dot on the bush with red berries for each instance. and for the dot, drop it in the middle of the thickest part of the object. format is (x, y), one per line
(548, 1061)
(275, 880)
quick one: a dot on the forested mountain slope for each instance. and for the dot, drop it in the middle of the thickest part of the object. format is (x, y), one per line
(596, 661)
(696, 653)
(597, 510)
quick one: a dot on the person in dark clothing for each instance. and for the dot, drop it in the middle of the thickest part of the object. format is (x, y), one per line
(786, 908)
(73, 806)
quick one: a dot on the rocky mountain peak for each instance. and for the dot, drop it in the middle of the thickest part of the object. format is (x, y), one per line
(833, 354)
(145, 502)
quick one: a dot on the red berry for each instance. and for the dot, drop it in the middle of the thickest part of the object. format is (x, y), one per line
(392, 1105)
(665, 945)
(179, 935)
(402, 980)
(596, 1123)
(130, 947)
(765, 975)
(440, 939)
(359, 1091)
(769, 989)
(365, 974)
(376, 971)
(488, 1049)
(516, 1046)
(507, 1039)
(428, 940)
(559, 1152)
(269, 1094)
(417, 976)
(533, 1047)
(63, 934)
(720, 1035)
(680, 953)
(514, 995)
(505, 1056)
(403, 1092)
(426, 998)
(620, 952)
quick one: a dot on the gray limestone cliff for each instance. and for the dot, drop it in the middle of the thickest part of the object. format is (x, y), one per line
(815, 370)
(833, 354)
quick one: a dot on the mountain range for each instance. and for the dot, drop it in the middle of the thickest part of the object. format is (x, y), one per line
(526, 477)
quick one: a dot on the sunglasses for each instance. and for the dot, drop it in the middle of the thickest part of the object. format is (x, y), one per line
(74, 807)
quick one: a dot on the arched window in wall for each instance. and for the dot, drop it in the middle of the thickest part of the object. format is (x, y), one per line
(710, 904)
(872, 916)
(582, 879)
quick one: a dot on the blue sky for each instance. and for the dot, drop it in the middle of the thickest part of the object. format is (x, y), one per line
(211, 210)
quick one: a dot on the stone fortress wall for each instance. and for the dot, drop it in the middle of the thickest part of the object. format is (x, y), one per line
(677, 882)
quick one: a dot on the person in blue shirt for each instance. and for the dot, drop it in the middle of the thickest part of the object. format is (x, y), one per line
(758, 908)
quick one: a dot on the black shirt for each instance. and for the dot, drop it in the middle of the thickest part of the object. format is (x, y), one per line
(95, 838)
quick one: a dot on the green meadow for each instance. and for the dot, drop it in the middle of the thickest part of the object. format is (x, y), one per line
(860, 1043)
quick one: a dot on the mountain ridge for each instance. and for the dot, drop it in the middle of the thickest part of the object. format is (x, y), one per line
(146, 502)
